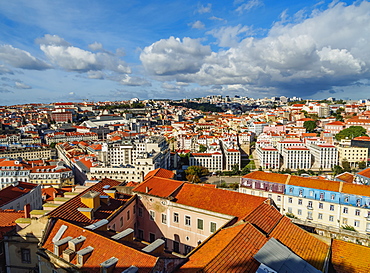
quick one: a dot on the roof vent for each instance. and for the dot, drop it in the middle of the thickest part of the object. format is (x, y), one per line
(131, 269)
(88, 212)
(68, 255)
(156, 247)
(109, 265)
(83, 255)
(100, 225)
(126, 235)
(61, 245)
(76, 243)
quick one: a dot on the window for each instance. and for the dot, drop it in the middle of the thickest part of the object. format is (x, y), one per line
(269, 195)
(175, 217)
(346, 199)
(311, 193)
(200, 224)
(151, 215)
(332, 196)
(345, 210)
(345, 220)
(320, 216)
(128, 215)
(121, 221)
(299, 201)
(332, 207)
(357, 212)
(358, 202)
(26, 255)
(141, 234)
(187, 220)
(290, 200)
(331, 218)
(164, 218)
(290, 210)
(176, 246)
(290, 190)
(140, 212)
(151, 237)
(279, 198)
(309, 215)
(187, 250)
(134, 209)
(299, 212)
(322, 196)
(300, 193)
(357, 223)
(309, 204)
(321, 205)
(213, 227)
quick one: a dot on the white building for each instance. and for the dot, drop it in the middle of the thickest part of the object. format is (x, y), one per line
(268, 157)
(325, 156)
(211, 161)
(296, 157)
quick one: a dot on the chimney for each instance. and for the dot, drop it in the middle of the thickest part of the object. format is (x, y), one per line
(105, 199)
(27, 210)
(91, 199)
(109, 265)
(68, 255)
(146, 189)
(111, 193)
(156, 247)
(83, 255)
(88, 212)
(76, 243)
(61, 245)
(126, 235)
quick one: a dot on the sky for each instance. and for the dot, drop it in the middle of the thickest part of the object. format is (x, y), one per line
(95, 50)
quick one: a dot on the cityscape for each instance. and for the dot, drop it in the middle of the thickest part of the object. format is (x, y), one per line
(184, 136)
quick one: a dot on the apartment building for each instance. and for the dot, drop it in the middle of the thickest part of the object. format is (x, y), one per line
(323, 202)
(296, 157)
(211, 161)
(325, 156)
(27, 153)
(269, 157)
(70, 137)
(353, 155)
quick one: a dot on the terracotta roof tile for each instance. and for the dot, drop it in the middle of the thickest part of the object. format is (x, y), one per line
(217, 200)
(230, 250)
(269, 177)
(103, 247)
(160, 172)
(158, 186)
(356, 189)
(319, 184)
(346, 177)
(10, 193)
(265, 217)
(344, 260)
(301, 242)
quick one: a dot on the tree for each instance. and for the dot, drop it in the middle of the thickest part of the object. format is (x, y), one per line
(245, 171)
(197, 170)
(193, 178)
(337, 170)
(202, 148)
(310, 125)
(362, 165)
(346, 166)
(235, 169)
(351, 132)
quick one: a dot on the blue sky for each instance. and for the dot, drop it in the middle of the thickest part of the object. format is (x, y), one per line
(117, 50)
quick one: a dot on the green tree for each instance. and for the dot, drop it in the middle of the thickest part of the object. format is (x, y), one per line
(362, 165)
(235, 169)
(197, 170)
(337, 170)
(310, 125)
(346, 166)
(351, 132)
(245, 171)
(202, 148)
(193, 178)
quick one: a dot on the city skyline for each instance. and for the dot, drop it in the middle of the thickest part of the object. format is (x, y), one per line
(71, 51)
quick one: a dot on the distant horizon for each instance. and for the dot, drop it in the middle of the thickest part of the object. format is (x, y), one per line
(102, 50)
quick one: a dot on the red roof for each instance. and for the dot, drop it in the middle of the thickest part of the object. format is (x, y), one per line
(7, 220)
(11, 193)
(104, 249)
(160, 172)
(158, 186)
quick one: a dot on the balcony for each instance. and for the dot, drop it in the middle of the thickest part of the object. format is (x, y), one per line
(309, 218)
(310, 207)
(367, 217)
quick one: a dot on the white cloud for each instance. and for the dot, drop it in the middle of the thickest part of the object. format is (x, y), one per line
(216, 18)
(327, 49)
(21, 85)
(172, 56)
(72, 58)
(134, 81)
(230, 36)
(21, 59)
(197, 24)
(204, 9)
(54, 40)
(96, 46)
(245, 7)
(5, 70)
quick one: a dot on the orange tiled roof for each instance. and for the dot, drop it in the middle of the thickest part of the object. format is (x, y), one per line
(217, 200)
(269, 177)
(356, 189)
(365, 172)
(222, 252)
(301, 242)
(103, 247)
(68, 211)
(160, 172)
(348, 257)
(158, 186)
(346, 177)
(7, 220)
(327, 185)
(10, 193)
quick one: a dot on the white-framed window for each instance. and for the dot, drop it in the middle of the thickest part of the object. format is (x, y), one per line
(357, 212)
(320, 216)
(299, 201)
(213, 227)
(345, 210)
(357, 223)
(290, 200)
(152, 215)
(175, 217)
(200, 224)
(164, 218)
(187, 220)
(332, 207)
(279, 198)
(331, 218)
(299, 212)
(321, 205)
